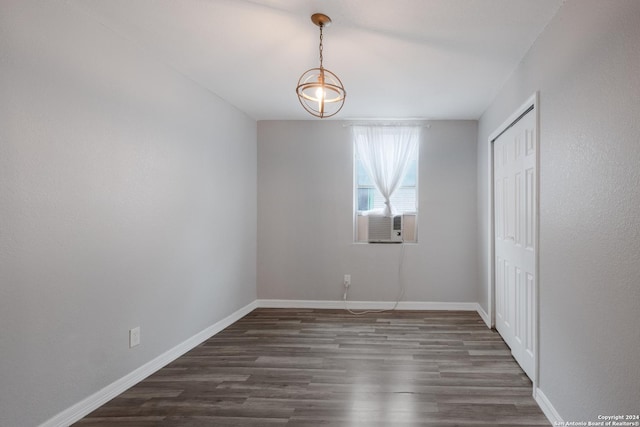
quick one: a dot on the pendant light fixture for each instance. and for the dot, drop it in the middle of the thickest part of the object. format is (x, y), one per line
(319, 90)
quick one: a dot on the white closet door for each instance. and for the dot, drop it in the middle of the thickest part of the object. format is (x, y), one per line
(515, 207)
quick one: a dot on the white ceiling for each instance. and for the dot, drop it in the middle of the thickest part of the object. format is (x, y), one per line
(434, 59)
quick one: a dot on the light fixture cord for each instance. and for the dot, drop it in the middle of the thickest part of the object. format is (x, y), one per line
(321, 45)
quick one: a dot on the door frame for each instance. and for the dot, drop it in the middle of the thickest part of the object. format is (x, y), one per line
(532, 101)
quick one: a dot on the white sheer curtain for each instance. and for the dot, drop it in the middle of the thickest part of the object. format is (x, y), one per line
(385, 153)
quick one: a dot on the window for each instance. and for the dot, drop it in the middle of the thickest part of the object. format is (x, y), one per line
(404, 199)
(386, 176)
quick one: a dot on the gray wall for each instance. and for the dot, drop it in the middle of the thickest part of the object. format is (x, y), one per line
(586, 65)
(127, 198)
(305, 223)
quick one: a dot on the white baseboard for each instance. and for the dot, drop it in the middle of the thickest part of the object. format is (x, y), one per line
(84, 407)
(367, 305)
(484, 315)
(547, 408)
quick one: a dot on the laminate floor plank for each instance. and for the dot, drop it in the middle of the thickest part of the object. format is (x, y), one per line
(306, 367)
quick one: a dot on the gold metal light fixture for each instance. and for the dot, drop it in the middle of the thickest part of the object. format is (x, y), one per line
(319, 90)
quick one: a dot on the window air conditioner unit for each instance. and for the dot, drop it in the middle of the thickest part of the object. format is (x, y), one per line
(385, 229)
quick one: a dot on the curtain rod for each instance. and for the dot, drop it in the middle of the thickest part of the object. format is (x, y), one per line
(386, 124)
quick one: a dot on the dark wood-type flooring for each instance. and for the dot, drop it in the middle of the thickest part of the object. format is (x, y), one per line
(286, 367)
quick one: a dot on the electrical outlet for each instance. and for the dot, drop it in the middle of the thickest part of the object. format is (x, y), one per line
(347, 280)
(134, 337)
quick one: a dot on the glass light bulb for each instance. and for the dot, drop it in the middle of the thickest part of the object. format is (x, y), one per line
(320, 95)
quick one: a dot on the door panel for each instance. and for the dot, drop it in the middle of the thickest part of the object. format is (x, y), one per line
(515, 207)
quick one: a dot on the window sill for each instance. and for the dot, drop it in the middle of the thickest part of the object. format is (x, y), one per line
(412, 243)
